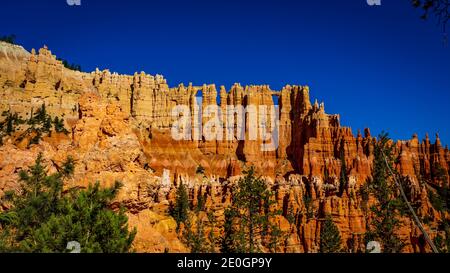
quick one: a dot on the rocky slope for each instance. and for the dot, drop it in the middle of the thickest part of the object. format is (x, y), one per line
(120, 130)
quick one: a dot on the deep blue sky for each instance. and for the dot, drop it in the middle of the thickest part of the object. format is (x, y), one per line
(379, 67)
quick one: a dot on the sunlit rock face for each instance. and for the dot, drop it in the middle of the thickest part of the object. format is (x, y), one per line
(120, 129)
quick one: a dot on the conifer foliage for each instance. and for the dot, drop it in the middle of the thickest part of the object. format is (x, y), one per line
(197, 233)
(343, 183)
(39, 124)
(10, 39)
(249, 220)
(8, 125)
(66, 64)
(180, 210)
(195, 238)
(43, 218)
(330, 238)
(385, 223)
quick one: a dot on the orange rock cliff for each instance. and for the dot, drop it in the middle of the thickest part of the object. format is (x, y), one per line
(120, 130)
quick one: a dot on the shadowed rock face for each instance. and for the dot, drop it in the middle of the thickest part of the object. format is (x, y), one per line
(120, 130)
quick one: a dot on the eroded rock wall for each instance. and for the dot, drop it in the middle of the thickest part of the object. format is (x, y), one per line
(120, 130)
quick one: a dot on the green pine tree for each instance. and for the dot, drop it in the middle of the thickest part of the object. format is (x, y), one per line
(43, 218)
(195, 238)
(249, 219)
(200, 170)
(200, 203)
(58, 123)
(385, 222)
(343, 177)
(212, 240)
(180, 209)
(443, 243)
(9, 124)
(39, 124)
(330, 237)
(307, 200)
(70, 66)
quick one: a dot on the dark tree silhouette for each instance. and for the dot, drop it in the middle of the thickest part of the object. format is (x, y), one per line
(180, 209)
(438, 8)
(70, 66)
(11, 39)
